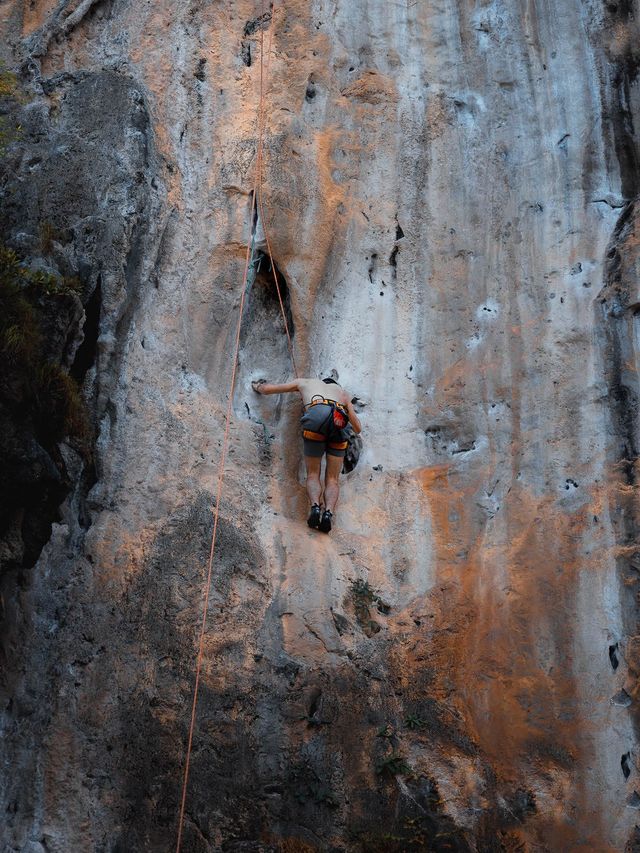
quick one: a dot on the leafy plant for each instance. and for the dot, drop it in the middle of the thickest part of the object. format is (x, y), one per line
(386, 731)
(364, 597)
(59, 407)
(413, 722)
(29, 380)
(308, 786)
(394, 764)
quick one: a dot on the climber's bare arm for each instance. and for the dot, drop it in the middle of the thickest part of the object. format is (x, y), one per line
(354, 420)
(262, 387)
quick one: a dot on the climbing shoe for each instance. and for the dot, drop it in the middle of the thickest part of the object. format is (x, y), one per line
(314, 516)
(325, 521)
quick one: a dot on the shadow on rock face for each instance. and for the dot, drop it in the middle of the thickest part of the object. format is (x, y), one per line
(161, 624)
(80, 204)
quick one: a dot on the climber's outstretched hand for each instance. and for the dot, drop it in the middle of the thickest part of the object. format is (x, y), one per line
(261, 386)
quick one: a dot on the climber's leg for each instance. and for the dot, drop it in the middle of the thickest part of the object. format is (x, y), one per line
(331, 483)
(312, 463)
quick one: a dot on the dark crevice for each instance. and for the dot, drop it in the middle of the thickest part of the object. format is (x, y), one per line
(634, 803)
(314, 705)
(616, 302)
(466, 448)
(622, 699)
(613, 656)
(84, 361)
(623, 126)
(266, 279)
(88, 481)
(310, 92)
(372, 266)
(86, 354)
(622, 9)
(624, 218)
(254, 213)
(616, 311)
(251, 27)
(263, 343)
(393, 261)
(200, 73)
(261, 22)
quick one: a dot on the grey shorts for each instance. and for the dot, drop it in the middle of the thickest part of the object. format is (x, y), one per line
(319, 433)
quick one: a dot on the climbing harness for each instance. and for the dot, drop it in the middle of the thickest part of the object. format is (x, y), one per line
(339, 413)
(331, 429)
(257, 206)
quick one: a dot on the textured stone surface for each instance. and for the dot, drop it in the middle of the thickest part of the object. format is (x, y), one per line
(79, 200)
(450, 194)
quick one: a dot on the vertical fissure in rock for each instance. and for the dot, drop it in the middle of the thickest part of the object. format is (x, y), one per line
(252, 26)
(264, 348)
(617, 305)
(86, 354)
(624, 132)
(264, 283)
(393, 262)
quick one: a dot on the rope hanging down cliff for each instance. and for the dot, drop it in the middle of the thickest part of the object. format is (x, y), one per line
(257, 205)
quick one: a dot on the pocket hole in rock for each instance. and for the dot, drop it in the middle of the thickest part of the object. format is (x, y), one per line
(622, 699)
(393, 262)
(634, 801)
(613, 655)
(264, 348)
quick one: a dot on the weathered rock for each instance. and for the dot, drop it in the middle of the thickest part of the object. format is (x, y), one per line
(450, 200)
(79, 200)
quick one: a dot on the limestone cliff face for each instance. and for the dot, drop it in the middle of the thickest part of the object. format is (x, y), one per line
(450, 191)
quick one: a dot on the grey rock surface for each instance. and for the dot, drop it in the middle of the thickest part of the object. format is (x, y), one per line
(450, 193)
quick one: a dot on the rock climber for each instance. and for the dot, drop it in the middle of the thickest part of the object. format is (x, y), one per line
(327, 412)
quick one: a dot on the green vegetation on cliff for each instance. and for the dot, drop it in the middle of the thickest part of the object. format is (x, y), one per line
(9, 93)
(36, 387)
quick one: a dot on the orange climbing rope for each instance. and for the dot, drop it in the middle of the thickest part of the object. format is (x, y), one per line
(256, 201)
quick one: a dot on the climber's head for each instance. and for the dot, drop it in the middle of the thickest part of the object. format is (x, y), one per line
(332, 377)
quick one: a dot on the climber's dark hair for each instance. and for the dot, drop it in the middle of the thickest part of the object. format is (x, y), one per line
(330, 381)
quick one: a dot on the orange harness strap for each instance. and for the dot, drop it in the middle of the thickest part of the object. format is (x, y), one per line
(327, 402)
(317, 436)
